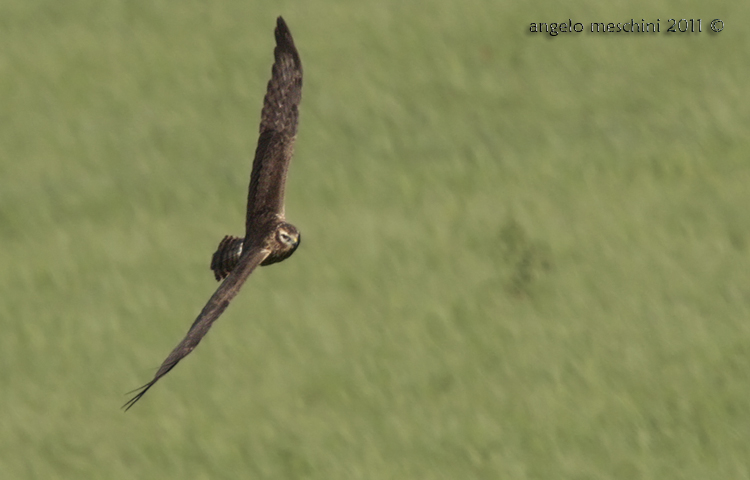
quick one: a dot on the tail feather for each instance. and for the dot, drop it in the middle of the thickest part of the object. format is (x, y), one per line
(226, 256)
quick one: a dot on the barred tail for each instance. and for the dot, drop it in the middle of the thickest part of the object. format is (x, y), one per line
(226, 256)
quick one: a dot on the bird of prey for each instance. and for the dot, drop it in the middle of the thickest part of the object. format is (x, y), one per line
(268, 237)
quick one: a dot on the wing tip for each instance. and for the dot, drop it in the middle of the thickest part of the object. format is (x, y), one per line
(284, 38)
(281, 27)
(282, 31)
(143, 389)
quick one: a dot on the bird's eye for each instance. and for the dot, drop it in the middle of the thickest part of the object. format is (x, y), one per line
(286, 238)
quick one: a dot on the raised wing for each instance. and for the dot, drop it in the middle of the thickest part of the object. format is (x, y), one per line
(278, 128)
(213, 309)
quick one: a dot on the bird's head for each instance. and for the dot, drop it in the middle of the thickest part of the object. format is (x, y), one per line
(286, 240)
(288, 237)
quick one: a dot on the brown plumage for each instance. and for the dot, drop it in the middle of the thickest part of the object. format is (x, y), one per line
(226, 256)
(268, 237)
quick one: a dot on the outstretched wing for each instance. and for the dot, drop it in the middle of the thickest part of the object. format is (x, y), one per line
(213, 309)
(278, 128)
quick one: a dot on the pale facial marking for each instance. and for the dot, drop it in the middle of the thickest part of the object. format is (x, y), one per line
(287, 239)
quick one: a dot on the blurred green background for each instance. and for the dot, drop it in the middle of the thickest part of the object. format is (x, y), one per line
(523, 257)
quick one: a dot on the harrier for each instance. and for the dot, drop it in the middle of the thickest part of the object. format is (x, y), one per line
(268, 237)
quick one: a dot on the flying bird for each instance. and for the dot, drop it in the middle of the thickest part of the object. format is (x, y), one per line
(269, 238)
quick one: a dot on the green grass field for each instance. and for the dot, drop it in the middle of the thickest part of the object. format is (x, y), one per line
(523, 256)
